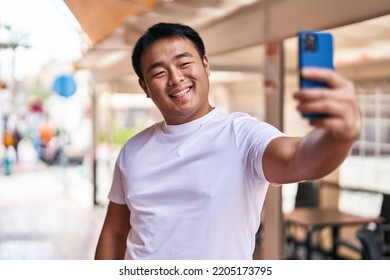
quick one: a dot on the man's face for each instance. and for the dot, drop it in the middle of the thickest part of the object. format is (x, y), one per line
(176, 79)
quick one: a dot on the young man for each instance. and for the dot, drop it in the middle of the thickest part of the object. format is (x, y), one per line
(193, 186)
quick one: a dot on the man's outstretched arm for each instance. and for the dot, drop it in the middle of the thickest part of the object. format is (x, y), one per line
(292, 159)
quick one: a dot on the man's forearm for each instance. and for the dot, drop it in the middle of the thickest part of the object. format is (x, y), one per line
(110, 248)
(319, 153)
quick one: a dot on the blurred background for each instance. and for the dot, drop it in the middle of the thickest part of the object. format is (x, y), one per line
(69, 100)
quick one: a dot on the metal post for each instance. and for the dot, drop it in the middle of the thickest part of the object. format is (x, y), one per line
(94, 145)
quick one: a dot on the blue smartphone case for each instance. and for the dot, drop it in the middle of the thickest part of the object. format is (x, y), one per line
(315, 49)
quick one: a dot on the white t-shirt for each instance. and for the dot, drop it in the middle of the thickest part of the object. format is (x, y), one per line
(195, 191)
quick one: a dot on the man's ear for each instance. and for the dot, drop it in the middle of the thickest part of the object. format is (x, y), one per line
(206, 64)
(142, 84)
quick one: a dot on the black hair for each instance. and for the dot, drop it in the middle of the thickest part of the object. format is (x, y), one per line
(160, 31)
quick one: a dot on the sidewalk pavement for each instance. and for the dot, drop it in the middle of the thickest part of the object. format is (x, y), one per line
(46, 214)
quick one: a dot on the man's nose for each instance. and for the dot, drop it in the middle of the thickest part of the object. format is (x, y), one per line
(176, 77)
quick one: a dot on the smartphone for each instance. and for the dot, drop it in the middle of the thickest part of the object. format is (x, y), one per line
(316, 50)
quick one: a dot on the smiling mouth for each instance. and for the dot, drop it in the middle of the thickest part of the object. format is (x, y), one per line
(181, 93)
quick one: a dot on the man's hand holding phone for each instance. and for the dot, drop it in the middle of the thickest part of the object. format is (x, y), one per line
(338, 101)
(325, 98)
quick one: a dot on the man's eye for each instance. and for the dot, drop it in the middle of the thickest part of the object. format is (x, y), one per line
(185, 64)
(158, 74)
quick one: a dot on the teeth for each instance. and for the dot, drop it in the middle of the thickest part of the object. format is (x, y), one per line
(181, 93)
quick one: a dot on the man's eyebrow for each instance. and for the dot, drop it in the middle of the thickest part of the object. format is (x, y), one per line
(176, 57)
(184, 54)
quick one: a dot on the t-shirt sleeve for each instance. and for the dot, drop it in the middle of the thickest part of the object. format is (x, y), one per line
(253, 137)
(117, 194)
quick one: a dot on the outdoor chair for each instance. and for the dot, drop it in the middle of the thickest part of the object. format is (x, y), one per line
(382, 232)
(371, 244)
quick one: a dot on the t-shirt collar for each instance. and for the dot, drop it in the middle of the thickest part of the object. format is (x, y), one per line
(186, 127)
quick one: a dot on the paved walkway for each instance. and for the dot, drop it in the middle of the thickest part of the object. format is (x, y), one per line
(46, 213)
